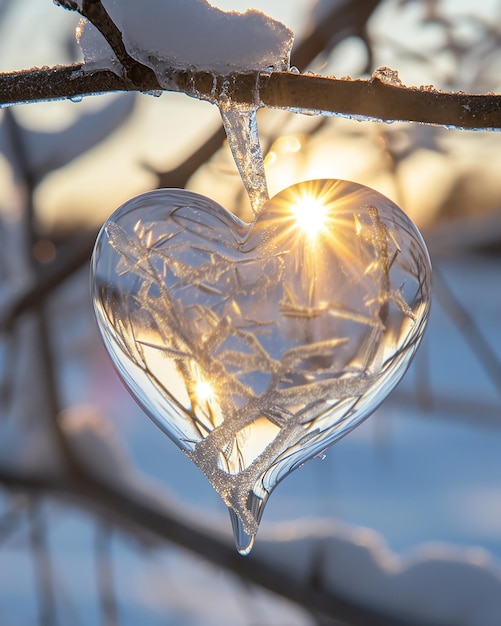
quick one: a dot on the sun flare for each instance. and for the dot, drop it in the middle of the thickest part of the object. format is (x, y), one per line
(204, 391)
(310, 214)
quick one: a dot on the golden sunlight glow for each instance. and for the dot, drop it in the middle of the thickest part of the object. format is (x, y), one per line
(319, 217)
(204, 391)
(310, 214)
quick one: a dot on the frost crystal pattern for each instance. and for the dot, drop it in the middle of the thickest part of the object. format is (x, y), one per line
(255, 347)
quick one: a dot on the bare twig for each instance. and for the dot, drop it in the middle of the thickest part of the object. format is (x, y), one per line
(187, 168)
(104, 575)
(476, 412)
(463, 320)
(68, 261)
(42, 348)
(43, 568)
(10, 520)
(343, 20)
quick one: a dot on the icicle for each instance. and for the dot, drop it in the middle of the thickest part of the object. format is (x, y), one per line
(240, 125)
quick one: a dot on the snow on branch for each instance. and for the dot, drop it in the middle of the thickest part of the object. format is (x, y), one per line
(140, 55)
(96, 14)
(374, 99)
(151, 51)
(161, 34)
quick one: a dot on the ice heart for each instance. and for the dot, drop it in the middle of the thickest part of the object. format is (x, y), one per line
(255, 347)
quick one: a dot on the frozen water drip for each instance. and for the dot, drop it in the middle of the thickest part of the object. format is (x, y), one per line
(240, 124)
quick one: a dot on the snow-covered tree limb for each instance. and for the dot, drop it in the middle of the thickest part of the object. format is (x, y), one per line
(375, 99)
(382, 98)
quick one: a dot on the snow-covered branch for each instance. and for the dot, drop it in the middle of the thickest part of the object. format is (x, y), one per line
(123, 54)
(379, 98)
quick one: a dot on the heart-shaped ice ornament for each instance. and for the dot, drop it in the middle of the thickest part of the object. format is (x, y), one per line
(255, 347)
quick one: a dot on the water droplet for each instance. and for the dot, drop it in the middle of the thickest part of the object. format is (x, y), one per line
(76, 98)
(255, 347)
(294, 70)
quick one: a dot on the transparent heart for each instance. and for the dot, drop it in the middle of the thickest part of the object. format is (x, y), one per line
(255, 347)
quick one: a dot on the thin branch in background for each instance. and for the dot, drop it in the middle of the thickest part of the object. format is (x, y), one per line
(11, 520)
(469, 328)
(423, 383)
(322, 620)
(8, 358)
(105, 578)
(54, 601)
(343, 20)
(315, 581)
(70, 258)
(42, 346)
(476, 412)
(43, 569)
(140, 518)
(179, 176)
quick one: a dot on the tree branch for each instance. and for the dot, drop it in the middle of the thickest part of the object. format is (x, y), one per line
(130, 514)
(69, 260)
(373, 99)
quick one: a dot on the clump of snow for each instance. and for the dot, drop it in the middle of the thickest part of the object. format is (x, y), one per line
(436, 583)
(191, 34)
(388, 76)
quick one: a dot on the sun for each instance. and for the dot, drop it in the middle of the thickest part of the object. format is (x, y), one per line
(204, 391)
(310, 214)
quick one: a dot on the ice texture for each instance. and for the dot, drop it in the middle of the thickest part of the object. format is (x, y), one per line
(257, 346)
(240, 125)
(96, 51)
(184, 34)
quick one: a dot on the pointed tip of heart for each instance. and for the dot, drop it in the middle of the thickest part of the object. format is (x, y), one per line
(245, 547)
(243, 541)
